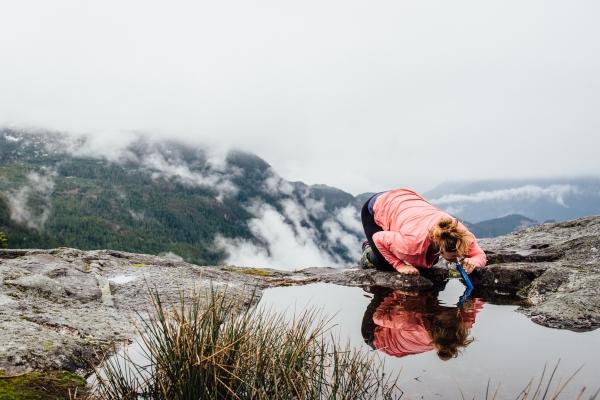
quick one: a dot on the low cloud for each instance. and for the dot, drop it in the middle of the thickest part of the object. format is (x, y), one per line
(287, 237)
(163, 167)
(276, 184)
(285, 241)
(298, 231)
(348, 217)
(556, 193)
(116, 150)
(338, 235)
(161, 159)
(31, 204)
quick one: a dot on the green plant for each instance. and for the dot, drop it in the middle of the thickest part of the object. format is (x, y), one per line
(3, 240)
(249, 271)
(41, 385)
(216, 350)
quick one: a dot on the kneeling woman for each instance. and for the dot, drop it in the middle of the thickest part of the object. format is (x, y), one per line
(405, 231)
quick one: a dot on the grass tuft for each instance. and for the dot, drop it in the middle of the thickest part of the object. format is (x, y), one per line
(216, 350)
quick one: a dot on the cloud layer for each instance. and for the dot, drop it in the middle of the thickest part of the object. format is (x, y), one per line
(288, 240)
(556, 193)
(31, 204)
(300, 233)
(299, 230)
(358, 96)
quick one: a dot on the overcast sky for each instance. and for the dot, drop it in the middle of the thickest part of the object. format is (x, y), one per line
(362, 95)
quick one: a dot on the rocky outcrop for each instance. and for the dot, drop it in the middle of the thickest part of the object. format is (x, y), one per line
(59, 309)
(556, 267)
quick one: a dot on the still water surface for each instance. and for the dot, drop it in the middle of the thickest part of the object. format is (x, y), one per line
(507, 348)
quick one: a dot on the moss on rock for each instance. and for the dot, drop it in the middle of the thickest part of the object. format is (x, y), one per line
(250, 271)
(41, 385)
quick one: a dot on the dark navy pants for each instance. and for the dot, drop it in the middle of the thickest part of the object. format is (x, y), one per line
(370, 227)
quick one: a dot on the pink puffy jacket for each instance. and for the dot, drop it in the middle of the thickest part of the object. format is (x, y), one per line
(406, 218)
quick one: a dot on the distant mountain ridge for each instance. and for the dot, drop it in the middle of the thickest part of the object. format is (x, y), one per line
(540, 199)
(500, 226)
(168, 197)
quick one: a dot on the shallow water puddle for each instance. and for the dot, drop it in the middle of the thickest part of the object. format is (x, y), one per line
(410, 330)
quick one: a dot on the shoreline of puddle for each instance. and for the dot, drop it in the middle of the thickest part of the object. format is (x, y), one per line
(507, 348)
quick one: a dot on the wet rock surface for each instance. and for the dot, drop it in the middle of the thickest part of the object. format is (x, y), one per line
(555, 266)
(59, 309)
(360, 277)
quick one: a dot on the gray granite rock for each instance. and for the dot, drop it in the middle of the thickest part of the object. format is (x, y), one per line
(60, 308)
(555, 266)
(370, 277)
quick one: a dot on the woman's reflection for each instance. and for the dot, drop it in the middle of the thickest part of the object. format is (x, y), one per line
(402, 323)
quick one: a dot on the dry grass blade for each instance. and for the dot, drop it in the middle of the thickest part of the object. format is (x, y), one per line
(537, 390)
(525, 392)
(214, 349)
(550, 380)
(562, 387)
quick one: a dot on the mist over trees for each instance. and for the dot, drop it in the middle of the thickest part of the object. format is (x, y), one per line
(166, 197)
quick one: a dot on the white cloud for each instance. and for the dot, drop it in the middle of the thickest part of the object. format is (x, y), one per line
(276, 184)
(286, 246)
(556, 193)
(110, 146)
(289, 240)
(162, 167)
(154, 154)
(315, 207)
(349, 217)
(346, 229)
(336, 233)
(38, 189)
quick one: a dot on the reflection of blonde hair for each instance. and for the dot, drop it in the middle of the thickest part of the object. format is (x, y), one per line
(450, 237)
(449, 334)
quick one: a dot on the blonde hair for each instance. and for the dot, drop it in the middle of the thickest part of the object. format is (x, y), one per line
(449, 334)
(450, 237)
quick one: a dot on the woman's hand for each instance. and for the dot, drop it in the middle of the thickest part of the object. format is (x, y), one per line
(469, 266)
(407, 269)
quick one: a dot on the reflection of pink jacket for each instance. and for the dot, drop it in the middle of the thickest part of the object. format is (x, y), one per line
(401, 333)
(401, 327)
(406, 218)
